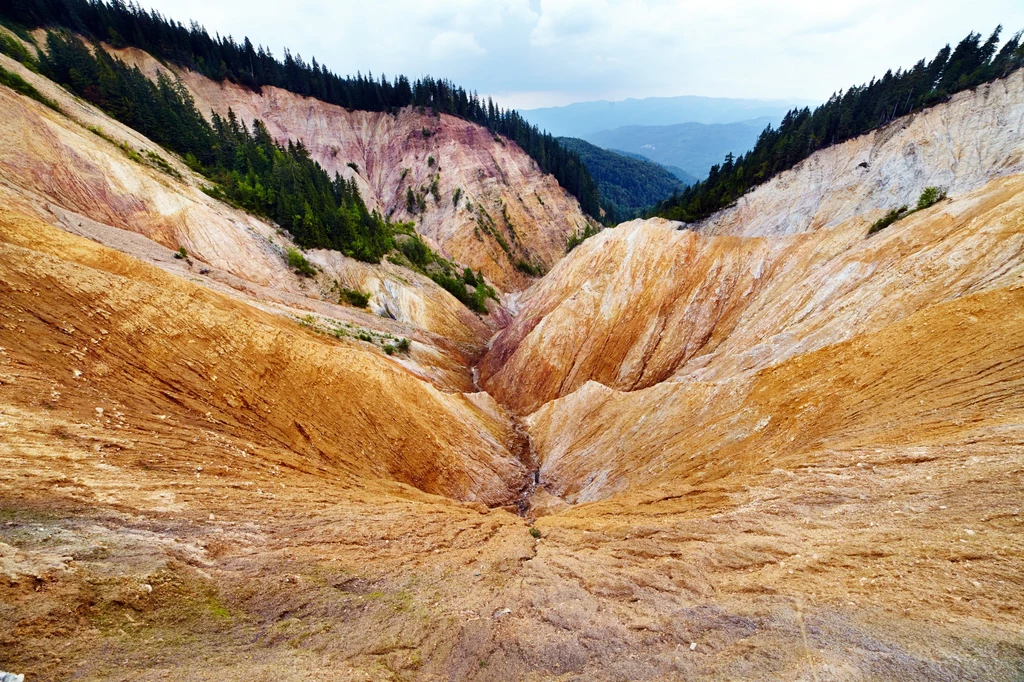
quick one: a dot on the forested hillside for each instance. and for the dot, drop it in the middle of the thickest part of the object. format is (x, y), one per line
(247, 167)
(846, 115)
(628, 185)
(222, 58)
(693, 147)
(686, 178)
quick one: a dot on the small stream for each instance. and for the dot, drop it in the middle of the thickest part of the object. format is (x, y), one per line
(522, 448)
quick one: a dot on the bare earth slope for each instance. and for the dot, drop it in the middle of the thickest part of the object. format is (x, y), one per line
(54, 167)
(644, 302)
(790, 456)
(502, 190)
(960, 144)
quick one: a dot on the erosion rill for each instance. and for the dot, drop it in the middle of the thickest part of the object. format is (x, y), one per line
(768, 447)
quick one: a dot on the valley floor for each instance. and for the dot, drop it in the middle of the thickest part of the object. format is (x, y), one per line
(788, 452)
(154, 526)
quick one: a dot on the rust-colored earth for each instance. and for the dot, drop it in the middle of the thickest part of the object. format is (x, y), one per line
(774, 457)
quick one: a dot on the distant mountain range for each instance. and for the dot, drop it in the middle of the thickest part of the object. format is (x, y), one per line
(582, 119)
(628, 182)
(691, 147)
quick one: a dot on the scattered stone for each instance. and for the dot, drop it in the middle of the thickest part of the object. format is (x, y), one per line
(502, 612)
(147, 588)
(11, 677)
(693, 646)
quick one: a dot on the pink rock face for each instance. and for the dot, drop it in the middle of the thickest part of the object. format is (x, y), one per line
(507, 209)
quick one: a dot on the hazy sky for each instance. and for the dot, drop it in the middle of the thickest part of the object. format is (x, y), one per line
(530, 53)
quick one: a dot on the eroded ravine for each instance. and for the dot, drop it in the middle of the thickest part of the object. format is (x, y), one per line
(192, 486)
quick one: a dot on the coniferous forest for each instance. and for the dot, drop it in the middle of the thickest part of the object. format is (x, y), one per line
(250, 169)
(846, 115)
(126, 24)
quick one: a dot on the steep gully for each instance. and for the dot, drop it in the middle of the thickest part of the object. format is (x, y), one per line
(696, 338)
(521, 448)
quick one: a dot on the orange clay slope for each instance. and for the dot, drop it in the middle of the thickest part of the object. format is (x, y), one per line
(111, 336)
(778, 457)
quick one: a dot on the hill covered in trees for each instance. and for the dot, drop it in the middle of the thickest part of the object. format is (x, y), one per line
(846, 115)
(254, 67)
(628, 185)
(693, 147)
(686, 178)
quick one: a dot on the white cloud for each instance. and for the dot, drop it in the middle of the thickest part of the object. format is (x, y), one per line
(454, 44)
(555, 51)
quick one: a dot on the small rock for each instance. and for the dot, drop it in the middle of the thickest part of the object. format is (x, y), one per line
(502, 612)
(212, 517)
(147, 588)
(99, 410)
(11, 677)
(693, 646)
(968, 531)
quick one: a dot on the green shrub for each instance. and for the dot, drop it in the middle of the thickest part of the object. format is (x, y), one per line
(888, 219)
(930, 196)
(389, 349)
(417, 251)
(468, 277)
(181, 253)
(299, 263)
(353, 298)
(353, 165)
(402, 346)
(577, 238)
(534, 532)
(531, 269)
(456, 195)
(431, 161)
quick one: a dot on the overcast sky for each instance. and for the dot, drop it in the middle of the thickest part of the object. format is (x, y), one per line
(530, 53)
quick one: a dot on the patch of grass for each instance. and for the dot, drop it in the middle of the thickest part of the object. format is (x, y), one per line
(131, 153)
(216, 609)
(11, 47)
(23, 87)
(161, 163)
(534, 533)
(298, 263)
